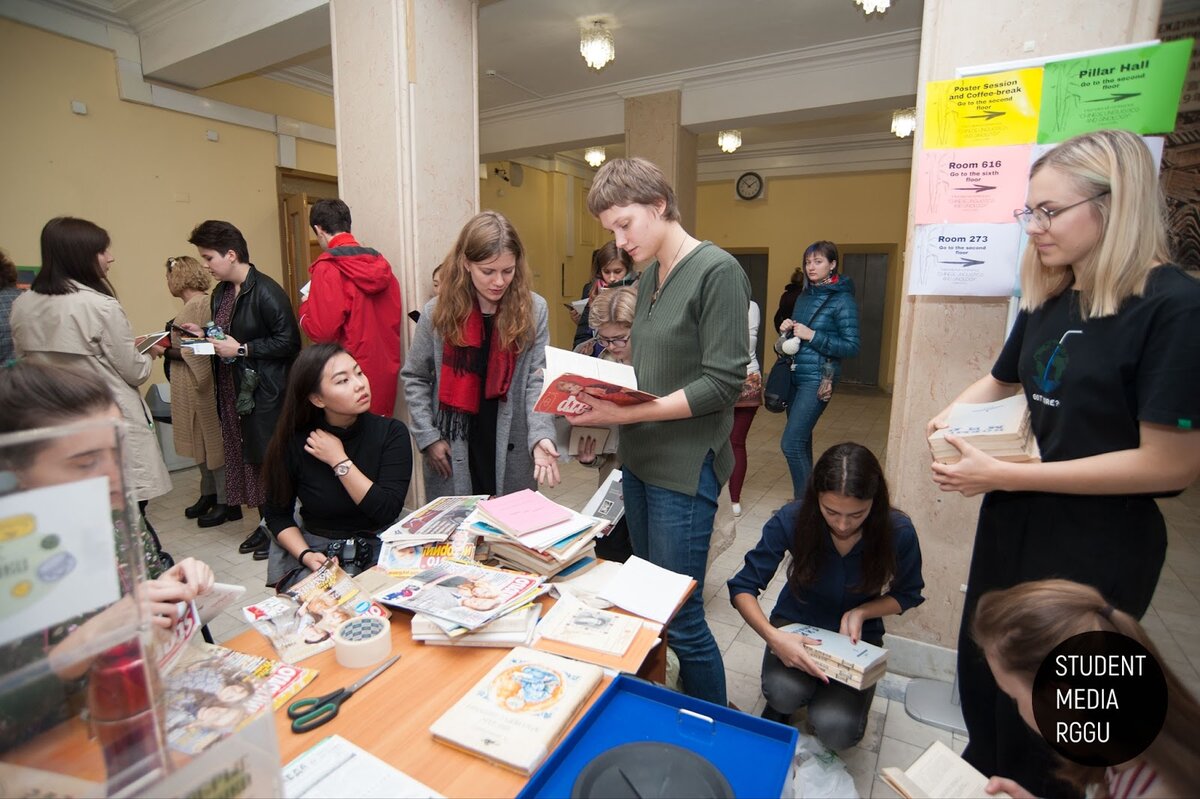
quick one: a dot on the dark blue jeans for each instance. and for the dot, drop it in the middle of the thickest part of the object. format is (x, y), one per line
(802, 414)
(672, 530)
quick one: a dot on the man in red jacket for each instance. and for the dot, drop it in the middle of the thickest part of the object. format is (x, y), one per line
(354, 300)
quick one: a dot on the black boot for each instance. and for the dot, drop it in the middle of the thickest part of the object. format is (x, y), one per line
(203, 505)
(257, 540)
(219, 515)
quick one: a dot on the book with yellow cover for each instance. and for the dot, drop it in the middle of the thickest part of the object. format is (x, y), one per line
(515, 714)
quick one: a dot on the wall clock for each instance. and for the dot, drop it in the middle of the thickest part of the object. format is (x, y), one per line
(749, 186)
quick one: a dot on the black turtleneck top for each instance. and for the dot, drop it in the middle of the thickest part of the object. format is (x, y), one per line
(380, 448)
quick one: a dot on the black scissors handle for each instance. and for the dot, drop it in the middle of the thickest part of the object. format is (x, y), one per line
(310, 713)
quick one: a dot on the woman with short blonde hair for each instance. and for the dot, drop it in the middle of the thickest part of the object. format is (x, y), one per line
(1106, 351)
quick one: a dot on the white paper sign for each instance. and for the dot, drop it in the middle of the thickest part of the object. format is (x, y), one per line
(57, 556)
(201, 348)
(968, 260)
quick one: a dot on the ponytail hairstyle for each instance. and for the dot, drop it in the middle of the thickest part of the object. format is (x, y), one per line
(1019, 627)
(851, 470)
(298, 415)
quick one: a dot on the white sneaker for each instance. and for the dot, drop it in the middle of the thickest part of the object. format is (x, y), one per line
(737, 509)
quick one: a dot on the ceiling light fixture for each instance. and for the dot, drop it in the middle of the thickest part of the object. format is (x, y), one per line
(729, 140)
(594, 156)
(904, 122)
(596, 45)
(872, 6)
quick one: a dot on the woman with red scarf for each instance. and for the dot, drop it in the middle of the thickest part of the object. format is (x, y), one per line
(474, 370)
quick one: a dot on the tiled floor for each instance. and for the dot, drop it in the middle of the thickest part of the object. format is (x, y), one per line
(892, 738)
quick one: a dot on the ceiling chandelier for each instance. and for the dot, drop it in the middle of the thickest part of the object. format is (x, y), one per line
(729, 140)
(596, 45)
(872, 6)
(904, 122)
(594, 156)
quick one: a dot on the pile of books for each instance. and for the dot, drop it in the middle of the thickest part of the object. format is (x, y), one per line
(511, 629)
(859, 665)
(526, 531)
(1000, 429)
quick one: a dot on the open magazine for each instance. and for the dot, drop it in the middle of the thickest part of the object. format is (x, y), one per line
(433, 522)
(467, 594)
(301, 622)
(212, 691)
(568, 373)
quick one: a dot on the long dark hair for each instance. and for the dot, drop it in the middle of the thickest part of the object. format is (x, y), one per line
(298, 414)
(851, 470)
(70, 248)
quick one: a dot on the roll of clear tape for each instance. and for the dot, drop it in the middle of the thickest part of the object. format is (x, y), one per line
(362, 641)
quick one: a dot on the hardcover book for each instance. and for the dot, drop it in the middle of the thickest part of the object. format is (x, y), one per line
(515, 714)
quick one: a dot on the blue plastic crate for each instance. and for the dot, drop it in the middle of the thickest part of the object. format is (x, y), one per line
(754, 754)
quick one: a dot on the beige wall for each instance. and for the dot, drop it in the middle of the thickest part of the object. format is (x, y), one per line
(866, 211)
(146, 175)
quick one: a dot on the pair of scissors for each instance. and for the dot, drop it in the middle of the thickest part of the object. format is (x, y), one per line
(308, 714)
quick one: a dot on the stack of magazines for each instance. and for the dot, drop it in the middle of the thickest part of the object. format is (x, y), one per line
(457, 594)
(529, 532)
(512, 629)
(1000, 429)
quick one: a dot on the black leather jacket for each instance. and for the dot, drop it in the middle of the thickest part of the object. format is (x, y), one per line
(264, 322)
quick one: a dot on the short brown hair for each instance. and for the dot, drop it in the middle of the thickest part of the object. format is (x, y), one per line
(629, 181)
(185, 272)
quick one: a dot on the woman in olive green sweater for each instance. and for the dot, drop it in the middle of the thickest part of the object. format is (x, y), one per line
(690, 347)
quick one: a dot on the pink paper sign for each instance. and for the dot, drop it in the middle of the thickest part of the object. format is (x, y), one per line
(975, 184)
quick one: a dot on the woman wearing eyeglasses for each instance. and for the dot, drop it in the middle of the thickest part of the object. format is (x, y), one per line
(1106, 350)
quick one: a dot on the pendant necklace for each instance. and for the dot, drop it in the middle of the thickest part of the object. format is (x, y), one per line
(658, 275)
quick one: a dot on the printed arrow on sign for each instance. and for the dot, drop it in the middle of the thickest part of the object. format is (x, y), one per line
(976, 188)
(964, 262)
(1116, 98)
(988, 114)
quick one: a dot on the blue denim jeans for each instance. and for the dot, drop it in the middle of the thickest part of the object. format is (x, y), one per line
(802, 414)
(672, 530)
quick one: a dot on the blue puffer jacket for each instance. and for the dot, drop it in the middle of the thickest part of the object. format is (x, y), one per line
(836, 326)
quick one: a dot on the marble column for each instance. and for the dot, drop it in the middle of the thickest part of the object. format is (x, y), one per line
(947, 343)
(653, 131)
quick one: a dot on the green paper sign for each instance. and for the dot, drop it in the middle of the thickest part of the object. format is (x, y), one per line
(1136, 90)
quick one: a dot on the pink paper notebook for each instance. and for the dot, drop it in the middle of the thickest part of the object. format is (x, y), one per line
(523, 512)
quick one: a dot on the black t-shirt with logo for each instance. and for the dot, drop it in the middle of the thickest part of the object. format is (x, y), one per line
(1090, 383)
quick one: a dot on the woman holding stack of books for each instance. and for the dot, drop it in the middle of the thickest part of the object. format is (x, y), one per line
(855, 559)
(1106, 352)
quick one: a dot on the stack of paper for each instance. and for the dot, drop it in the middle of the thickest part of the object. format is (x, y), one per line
(647, 590)
(432, 523)
(513, 629)
(522, 512)
(1000, 429)
(463, 594)
(858, 665)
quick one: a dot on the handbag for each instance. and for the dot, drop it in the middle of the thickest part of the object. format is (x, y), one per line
(778, 389)
(752, 390)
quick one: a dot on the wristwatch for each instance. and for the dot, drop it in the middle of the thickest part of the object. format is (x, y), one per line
(241, 351)
(343, 468)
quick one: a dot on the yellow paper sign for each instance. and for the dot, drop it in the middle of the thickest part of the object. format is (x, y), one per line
(989, 110)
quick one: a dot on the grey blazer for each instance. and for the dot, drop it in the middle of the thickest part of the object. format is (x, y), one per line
(518, 427)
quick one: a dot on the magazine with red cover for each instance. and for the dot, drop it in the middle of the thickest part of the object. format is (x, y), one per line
(568, 373)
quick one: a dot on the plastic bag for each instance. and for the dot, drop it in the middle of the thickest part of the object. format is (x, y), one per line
(820, 773)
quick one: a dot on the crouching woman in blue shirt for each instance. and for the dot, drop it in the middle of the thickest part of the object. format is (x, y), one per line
(855, 559)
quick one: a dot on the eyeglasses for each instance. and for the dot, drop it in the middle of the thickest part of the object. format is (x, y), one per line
(620, 341)
(1040, 218)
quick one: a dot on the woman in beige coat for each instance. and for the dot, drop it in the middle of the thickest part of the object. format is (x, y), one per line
(71, 317)
(193, 396)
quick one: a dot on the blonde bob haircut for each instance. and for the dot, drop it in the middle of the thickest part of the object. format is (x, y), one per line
(1019, 627)
(485, 237)
(630, 181)
(613, 306)
(1133, 228)
(185, 272)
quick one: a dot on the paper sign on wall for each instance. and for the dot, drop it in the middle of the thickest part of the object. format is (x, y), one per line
(980, 184)
(57, 558)
(990, 110)
(975, 260)
(1135, 89)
